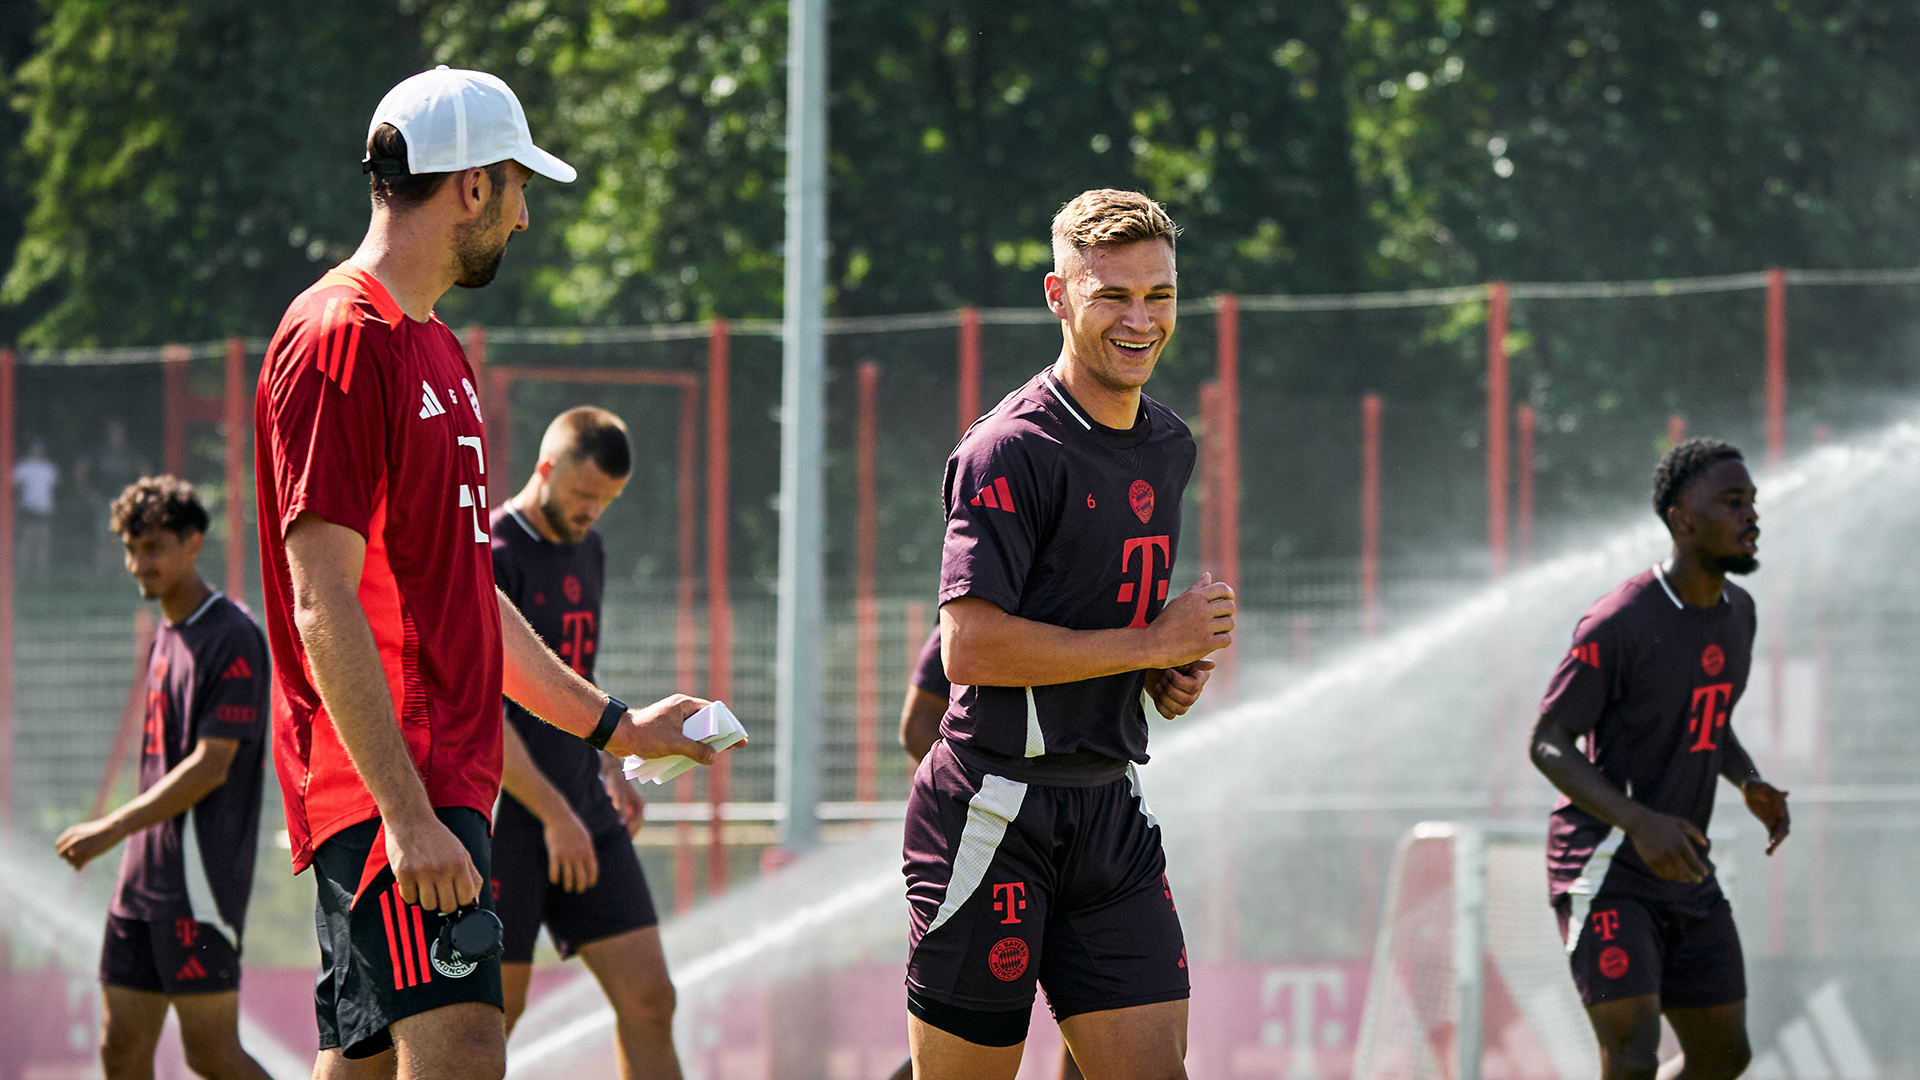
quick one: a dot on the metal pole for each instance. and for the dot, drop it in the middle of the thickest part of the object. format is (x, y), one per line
(719, 604)
(1370, 514)
(1776, 366)
(866, 614)
(802, 419)
(1497, 427)
(969, 364)
(1469, 963)
(238, 428)
(1210, 495)
(1676, 429)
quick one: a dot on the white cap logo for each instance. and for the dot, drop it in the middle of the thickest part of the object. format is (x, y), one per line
(455, 119)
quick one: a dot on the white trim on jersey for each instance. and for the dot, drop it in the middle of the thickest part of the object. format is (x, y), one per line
(199, 889)
(1036, 739)
(1048, 376)
(989, 812)
(1660, 575)
(202, 609)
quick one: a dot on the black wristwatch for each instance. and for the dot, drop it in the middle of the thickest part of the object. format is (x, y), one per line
(609, 720)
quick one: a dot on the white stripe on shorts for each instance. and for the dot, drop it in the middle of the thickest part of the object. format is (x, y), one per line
(989, 812)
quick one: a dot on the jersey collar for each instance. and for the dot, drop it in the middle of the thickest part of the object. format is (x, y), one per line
(202, 609)
(370, 287)
(1660, 575)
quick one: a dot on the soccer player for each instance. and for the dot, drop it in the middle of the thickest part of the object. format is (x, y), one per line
(392, 647)
(1030, 854)
(174, 926)
(1655, 670)
(563, 835)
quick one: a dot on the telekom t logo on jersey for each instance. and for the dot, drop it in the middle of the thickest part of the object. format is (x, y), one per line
(1708, 714)
(1155, 573)
(1606, 923)
(1010, 899)
(576, 639)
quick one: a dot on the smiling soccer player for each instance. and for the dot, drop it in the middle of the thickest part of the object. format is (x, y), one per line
(1655, 670)
(1030, 854)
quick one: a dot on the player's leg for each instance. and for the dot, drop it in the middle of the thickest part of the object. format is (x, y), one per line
(1705, 993)
(463, 1041)
(1145, 1042)
(980, 881)
(614, 928)
(1713, 1041)
(1628, 1031)
(632, 971)
(942, 1055)
(386, 989)
(520, 888)
(210, 1035)
(130, 1022)
(1116, 964)
(1070, 1069)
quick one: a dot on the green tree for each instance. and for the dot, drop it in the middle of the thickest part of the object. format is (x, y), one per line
(191, 171)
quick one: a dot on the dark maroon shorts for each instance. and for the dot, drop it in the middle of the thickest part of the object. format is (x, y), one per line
(1010, 883)
(1629, 947)
(168, 956)
(524, 899)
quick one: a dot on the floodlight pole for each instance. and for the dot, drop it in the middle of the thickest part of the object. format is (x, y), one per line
(802, 418)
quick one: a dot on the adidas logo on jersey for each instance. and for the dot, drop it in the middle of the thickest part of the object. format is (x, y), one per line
(995, 495)
(1588, 654)
(430, 403)
(192, 969)
(239, 669)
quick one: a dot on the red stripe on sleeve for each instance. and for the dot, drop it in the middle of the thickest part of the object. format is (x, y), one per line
(986, 496)
(420, 942)
(1006, 496)
(337, 338)
(353, 348)
(393, 947)
(406, 942)
(320, 339)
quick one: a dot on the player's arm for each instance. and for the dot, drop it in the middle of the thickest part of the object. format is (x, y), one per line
(198, 775)
(1670, 845)
(429, 863)
(981, 644)
(1764, 801)
(571, 863)
(626, 798)
(545, 686)
(920, 722)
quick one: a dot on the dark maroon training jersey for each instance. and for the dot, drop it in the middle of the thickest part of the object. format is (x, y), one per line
(930, 672)
(1058, 519)
(1652, 684)
(557, 587)
(207, 677)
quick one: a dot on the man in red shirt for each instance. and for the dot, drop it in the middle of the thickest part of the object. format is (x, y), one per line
(391, 646)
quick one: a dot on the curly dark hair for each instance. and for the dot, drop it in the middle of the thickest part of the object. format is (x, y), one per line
(158, 502)
(1682, 464)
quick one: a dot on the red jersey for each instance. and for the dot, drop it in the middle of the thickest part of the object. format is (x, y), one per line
(369, 420)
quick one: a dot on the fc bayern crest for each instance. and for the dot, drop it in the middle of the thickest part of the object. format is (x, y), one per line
(571, 587)
(1140, 497)
(1713, 660)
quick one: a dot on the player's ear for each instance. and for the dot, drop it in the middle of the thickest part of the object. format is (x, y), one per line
(1055, 287)
(194, 542)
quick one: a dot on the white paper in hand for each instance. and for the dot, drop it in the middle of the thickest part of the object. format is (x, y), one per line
(714, 725)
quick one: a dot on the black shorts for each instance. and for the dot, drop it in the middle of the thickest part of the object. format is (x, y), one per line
(376, 961)
(1009, 884)
(618, 902)
(169, 956)
(1629, 947)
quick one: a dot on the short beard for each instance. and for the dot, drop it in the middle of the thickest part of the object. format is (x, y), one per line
(1736, 564)
(477, 264)
(557, 521)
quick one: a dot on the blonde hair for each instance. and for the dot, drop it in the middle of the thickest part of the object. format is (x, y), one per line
(1107, 217)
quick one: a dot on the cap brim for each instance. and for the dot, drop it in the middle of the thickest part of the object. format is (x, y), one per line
(546, 165)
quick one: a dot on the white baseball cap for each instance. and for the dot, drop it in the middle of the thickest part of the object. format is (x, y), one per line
(456, 119)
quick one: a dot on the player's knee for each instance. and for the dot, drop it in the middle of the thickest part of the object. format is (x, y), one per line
(122, 1043)
(216, 1059)
(650, 1003)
